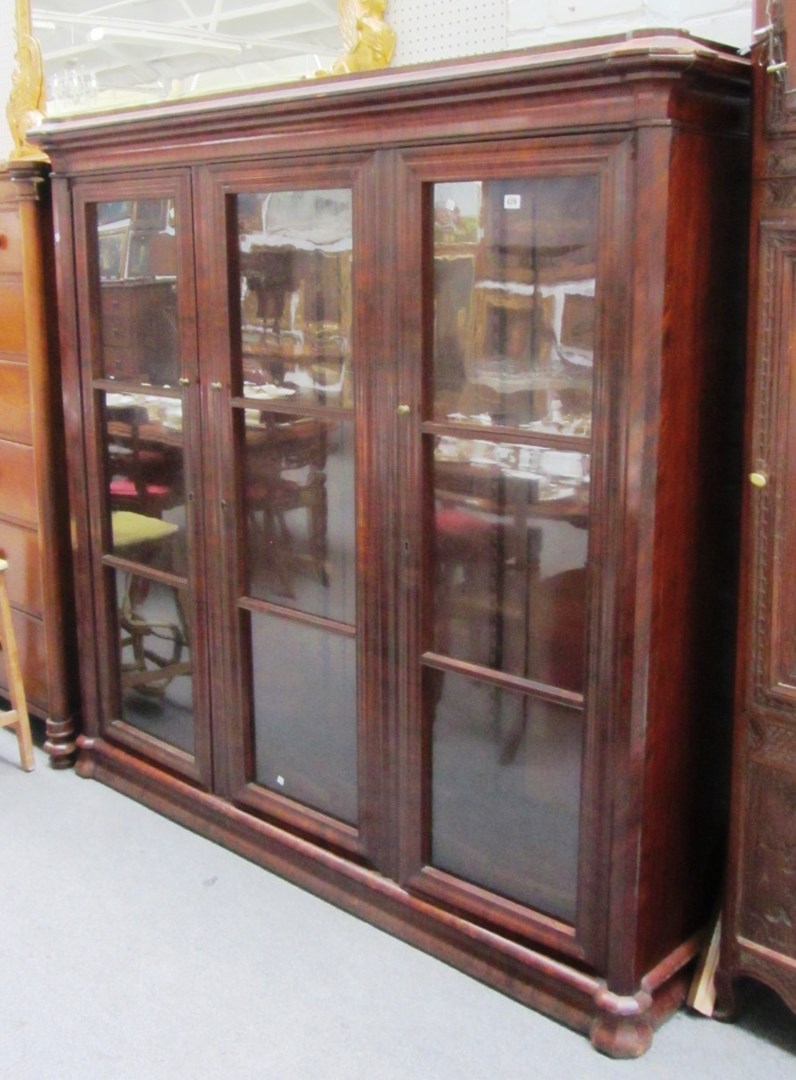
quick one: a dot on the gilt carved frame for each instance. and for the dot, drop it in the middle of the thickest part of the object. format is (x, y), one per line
(25, 108)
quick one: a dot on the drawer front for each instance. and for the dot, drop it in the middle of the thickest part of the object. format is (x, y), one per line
(15, 418)
(119, 362)
(18, 483)
(32, 648)
(10, 242)
(12, 317)
(20, 547)
(117, 311)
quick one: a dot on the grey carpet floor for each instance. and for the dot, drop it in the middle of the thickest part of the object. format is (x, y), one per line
(131, 948)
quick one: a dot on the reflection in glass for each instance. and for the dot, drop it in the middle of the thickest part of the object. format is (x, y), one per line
(155, 658)
(305, 730)
(300, 514)
(145, 476)
(505, 792)
(509, 558)
(295, 262)
(136, 241)
(514, 288)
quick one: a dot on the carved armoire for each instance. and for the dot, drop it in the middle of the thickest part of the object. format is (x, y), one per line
(759, 921)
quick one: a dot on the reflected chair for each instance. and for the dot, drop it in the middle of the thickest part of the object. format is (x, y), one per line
(149, 670)
(469, 571)
(286, 474)
(144, 475)
(17, 717)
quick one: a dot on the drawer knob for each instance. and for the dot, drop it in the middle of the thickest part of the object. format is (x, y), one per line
(404, 410)
(758, 479)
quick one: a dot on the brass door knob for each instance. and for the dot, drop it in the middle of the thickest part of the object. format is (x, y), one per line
(404, 410)
(758, 479)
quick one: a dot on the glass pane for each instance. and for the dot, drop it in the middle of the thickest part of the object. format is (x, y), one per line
(300, 513)
(514, 288)
(137, 247)
(145, 476)
(509, 554)
(505, 792)
(295, 295)
(305, 730)
(155, 658)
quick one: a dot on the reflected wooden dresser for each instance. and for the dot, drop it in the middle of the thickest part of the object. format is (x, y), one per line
(405, 572)
(138, 335)
(759, 922)
(33, 496)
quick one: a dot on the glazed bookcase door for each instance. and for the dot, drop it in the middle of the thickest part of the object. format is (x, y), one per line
(509, 444)
(140, 392)
(286, 399)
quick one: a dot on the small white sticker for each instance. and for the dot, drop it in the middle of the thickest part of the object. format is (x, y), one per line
(281, 781)
(512, 202)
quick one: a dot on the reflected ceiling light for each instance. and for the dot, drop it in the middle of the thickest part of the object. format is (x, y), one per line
(196, 41)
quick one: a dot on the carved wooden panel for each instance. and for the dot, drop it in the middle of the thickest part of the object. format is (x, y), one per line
(773, 745)
(774, 457)
(769, 904)
(780, 189)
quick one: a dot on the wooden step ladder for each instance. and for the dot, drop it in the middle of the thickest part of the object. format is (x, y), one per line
(16, 717)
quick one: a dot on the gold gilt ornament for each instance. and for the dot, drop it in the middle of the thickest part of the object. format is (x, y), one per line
(25, 108)
(368, 40)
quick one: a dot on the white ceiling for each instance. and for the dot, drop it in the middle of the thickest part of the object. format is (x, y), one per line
(146, 50)
(151, 49)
